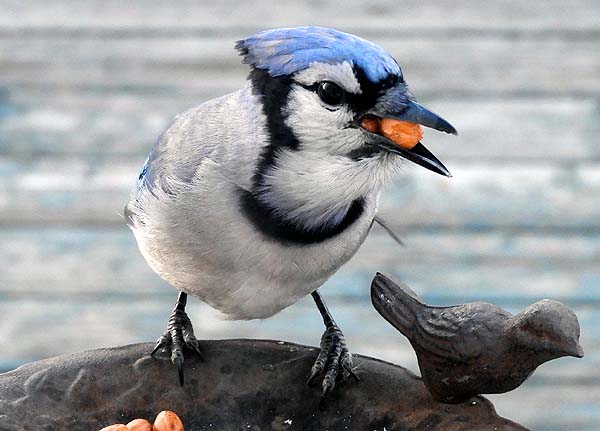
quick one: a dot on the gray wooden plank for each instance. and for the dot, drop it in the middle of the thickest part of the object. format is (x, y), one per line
(444, 66)
(549, 129)
(513, 268)
(481, 194)
(216, 16)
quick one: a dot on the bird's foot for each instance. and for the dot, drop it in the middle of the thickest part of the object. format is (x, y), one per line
(334, 359)
(179, 334)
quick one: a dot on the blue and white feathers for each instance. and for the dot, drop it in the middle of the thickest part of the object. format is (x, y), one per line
(286, 51)
(191, 215)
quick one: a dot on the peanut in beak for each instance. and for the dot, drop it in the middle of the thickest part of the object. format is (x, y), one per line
(402, 133)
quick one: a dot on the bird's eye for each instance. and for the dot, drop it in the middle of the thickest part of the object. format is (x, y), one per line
(330, 93)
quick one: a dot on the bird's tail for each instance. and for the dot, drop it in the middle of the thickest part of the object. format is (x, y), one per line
(396, 302)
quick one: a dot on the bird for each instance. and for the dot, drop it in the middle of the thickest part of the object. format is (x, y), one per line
(251, 201)
(476, 348)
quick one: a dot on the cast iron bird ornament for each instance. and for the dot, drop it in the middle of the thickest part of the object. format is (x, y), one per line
(251, 201)
(476, 348)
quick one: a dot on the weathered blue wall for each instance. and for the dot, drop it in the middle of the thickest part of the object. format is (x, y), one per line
(86, 86)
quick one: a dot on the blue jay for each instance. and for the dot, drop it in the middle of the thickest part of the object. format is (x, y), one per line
(251, 201)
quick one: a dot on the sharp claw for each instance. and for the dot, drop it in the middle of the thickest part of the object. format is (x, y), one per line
(318, 366)
(352, 374)
(347, 365)
(196, 349)
(178, 336)
(327, 388)
(157, 347)
(328, 385)
(311, 379)
(335, 360)
(179, 363)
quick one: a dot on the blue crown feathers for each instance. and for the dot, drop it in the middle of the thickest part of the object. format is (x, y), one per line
(285, 51)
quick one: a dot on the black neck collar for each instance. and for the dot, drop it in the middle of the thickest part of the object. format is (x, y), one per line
(273, 93)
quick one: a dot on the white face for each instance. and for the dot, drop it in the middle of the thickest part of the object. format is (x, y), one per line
(294, 185)
(321, 127)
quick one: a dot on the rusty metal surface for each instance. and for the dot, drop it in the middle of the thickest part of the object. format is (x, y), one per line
(244, 384)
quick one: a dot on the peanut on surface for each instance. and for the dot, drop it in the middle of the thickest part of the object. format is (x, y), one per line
(167, 421)
(115, 427)
(139, 425)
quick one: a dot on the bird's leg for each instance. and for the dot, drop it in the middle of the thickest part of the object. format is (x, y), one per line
(334, 357)
(179, 334)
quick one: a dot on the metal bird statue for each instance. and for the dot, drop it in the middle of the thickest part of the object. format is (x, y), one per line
(476, 348)
(251, 201)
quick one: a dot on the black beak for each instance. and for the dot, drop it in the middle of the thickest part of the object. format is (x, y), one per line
(415, 113)
(396, 105)
(417, 154)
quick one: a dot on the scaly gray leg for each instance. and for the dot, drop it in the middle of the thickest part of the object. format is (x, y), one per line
(179, 334)
(334, 357)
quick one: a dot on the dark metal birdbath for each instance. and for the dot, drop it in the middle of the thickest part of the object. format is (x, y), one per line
(244, 384)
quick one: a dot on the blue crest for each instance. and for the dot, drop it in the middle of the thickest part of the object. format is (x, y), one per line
(285, 51)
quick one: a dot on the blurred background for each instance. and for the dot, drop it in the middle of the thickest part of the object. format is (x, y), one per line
(87, 86)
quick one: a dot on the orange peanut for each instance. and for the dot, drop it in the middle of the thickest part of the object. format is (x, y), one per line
(403, 133)
(139, 425)
(167, 421)
(371, 124)
(115, 427)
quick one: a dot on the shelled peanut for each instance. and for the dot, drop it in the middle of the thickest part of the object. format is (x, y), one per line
(139, 425)
(403, 133)
(115, 427)
(165, 421)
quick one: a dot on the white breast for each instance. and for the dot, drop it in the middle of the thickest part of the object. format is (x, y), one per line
(196, 236)
(199, 241)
